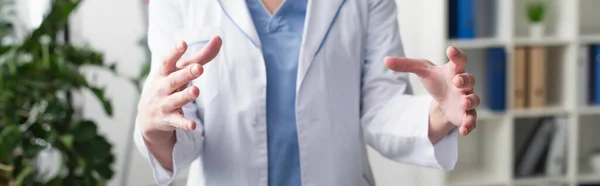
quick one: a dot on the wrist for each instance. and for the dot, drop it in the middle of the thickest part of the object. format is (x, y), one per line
(439, 125)
(158, 137)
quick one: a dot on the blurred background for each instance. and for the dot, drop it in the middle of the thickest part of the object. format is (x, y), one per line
(70, 73)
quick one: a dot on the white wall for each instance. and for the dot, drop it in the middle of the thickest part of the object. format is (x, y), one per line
(387, 172)
(114, 27)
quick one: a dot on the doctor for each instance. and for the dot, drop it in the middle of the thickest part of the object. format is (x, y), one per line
(290, 92)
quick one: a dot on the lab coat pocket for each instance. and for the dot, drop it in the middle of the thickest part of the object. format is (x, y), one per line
(208, 82)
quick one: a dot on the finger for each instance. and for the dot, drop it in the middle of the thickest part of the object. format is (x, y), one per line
(206, 54)
(179, 99)
(464, 81)
(469, 123)
(472, 101)
(183, 77)
(421, 67)
(179, 121)
(458, 58)
(170, 61)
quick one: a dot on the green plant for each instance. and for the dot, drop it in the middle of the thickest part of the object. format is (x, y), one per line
(595, 151)
(536, 12)
(38, 77)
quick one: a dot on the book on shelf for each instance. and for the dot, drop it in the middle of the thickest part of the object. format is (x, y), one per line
(583, 66)
(520, 78)
(532, 157)
(537, 77)
(496, 79)
(591, 79)
(596, 62)
(469, 19)
(464, 11)
(556, 162)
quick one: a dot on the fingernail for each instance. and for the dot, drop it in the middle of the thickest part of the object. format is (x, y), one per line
(179, 46)
(470, 103)
(195, 70)
(455, 50)
(191, 93)
(462, 81)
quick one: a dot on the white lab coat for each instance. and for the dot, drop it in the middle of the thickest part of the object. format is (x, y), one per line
(346, 97)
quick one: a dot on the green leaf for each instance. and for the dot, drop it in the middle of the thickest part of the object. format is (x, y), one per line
(104, 171)
(84, 131)
(536, 11)
(53, 22)
(101, 150)
(24, 175)
(145, 70)
(55, 182)
(99, 93)
(113, 67)
(67, 140)
(99, 158)
(10, 137)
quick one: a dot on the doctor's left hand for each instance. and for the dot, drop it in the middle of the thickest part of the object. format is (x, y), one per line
(449, 85)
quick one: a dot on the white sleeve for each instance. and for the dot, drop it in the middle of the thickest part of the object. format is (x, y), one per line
(164, 31)
(395, 122)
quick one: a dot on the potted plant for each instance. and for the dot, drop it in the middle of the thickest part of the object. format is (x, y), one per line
(536, 12)
(43, 141)
(595, 160)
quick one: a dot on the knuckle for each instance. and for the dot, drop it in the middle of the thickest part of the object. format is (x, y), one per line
(165, 60)
(171, 82)
(164, 106)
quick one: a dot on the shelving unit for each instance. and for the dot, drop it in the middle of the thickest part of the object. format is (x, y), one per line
(487, 156)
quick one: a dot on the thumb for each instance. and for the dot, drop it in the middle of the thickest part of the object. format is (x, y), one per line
(402, 64)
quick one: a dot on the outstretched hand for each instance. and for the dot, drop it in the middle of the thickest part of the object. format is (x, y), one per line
(160, 109)
(449, 85)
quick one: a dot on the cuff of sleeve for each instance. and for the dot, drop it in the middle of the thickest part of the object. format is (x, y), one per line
(162, 176)
(414, 126)
(445, 151)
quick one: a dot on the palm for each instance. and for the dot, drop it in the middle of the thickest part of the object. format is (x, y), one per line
(439, 83)
(448, 84)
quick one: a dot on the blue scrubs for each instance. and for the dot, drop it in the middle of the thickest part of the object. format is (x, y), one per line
(281, 36)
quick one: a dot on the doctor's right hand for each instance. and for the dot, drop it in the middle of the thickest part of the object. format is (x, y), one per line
(160, 107)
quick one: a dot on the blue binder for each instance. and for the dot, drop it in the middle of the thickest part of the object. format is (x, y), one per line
(452, 12)
(496, 79)
(465, 19)
(591, 72)
(596, 62)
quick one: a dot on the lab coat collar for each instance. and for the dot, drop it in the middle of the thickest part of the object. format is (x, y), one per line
(321, 15)
(237, 11)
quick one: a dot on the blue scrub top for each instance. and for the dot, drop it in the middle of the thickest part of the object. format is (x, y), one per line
(281, 36)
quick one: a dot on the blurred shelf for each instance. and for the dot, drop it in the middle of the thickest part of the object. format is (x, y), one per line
(474, 177)
(589, 177)
(485, 114)
(547, 41)
(589, 110)
(541, 180)
(539, 112)
(589, 39)
(480, 43)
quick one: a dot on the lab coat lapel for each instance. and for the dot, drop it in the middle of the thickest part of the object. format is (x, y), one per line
(321, 15)
(237, 11)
